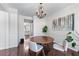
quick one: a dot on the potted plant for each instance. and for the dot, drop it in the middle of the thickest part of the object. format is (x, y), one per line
(70, 39)
(45, 29)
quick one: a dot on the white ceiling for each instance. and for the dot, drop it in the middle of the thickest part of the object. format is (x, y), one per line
(29, 9)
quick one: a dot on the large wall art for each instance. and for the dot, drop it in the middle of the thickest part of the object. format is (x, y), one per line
(65, 23)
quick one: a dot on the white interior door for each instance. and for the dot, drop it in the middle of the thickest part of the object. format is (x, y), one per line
(13, 29)
(3, 30)
(8, 30)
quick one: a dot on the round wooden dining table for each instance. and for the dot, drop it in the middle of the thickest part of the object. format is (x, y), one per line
(45, 41)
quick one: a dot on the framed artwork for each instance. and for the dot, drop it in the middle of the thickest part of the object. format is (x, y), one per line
(65, 23)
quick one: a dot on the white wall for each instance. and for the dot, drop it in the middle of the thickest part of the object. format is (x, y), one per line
(59, 36)
(1, 8)
(21, 27)
(38, 25)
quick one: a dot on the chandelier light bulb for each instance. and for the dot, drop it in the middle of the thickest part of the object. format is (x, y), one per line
(40, 12)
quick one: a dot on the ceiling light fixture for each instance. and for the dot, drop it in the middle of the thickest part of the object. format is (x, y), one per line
(40, 12)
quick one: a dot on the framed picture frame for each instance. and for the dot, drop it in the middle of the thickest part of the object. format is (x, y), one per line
(65, 23)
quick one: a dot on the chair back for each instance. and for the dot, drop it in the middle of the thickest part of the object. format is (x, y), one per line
(32, 46)
(65, 45)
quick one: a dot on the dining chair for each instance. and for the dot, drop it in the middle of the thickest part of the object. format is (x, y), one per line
(36, 48)
(62, 48)
(26, 46)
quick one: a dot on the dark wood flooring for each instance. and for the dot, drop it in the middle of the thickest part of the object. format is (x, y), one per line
(19, 51)
(9, 52)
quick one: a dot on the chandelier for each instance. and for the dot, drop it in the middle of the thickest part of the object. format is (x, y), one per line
(40, 12)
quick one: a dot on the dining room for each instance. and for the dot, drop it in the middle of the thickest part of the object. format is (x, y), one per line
(39, 29)
(51, 31)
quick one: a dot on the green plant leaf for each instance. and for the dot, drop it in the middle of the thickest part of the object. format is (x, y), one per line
(45, 28)
(69, 33)
(73, 44)
(69, 39)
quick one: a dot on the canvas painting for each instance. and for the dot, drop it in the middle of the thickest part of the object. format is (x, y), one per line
(65, 23)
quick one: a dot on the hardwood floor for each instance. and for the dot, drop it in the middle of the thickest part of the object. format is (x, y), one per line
(19, 51)
(9, 52)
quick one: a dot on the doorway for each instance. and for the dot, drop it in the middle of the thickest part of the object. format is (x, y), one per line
(28, 28)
